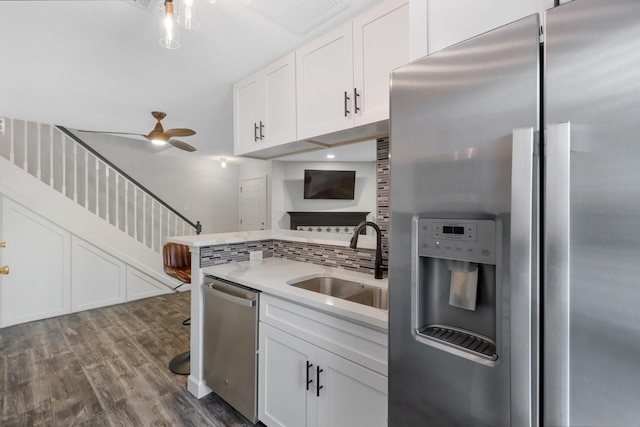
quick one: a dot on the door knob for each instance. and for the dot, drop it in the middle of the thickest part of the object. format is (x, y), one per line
(4, 269)
(3, 244)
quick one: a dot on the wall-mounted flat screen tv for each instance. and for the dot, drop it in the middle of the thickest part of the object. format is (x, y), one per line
(329, 184)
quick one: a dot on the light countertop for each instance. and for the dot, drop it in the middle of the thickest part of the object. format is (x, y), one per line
(273, 276)
(364, 241)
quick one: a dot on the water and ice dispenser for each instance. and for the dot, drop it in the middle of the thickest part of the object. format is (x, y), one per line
(455, 288)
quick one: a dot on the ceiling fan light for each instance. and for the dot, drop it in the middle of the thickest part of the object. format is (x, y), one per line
(169, 35)
(158, 141)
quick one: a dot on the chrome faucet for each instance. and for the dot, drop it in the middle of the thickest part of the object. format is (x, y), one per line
(354, 243)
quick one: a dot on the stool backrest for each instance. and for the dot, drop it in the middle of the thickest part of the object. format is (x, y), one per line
(177, 261)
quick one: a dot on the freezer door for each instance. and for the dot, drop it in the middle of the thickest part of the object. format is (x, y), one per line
(592, 239)
(456, 117)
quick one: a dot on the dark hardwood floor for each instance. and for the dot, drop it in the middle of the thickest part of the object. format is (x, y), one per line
(104, 367)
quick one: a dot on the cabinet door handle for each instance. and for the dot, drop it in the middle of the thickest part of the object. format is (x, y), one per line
(355, 100)
(346, 106)
(255, 132)
(318, 386)
(309, 380)
(261, 127)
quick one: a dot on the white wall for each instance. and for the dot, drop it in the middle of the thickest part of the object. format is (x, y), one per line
(288, 185)
(200, 189)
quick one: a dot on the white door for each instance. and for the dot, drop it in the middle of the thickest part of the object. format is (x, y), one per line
(38, 254)
(253, 204)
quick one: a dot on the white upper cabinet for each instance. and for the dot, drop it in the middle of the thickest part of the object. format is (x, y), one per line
(380, 44)
(343, 76)
(324, 74)
(337, 82)
(264, 107)
(452, 21)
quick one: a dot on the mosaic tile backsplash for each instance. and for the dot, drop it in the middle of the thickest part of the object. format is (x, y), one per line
(361, 260)
(233, 252)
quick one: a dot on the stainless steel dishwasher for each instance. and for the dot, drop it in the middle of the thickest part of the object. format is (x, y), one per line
(230, 342)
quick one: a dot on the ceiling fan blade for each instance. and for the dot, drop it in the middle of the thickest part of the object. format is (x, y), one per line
(112, 133)
(179, 132)
(181, 145)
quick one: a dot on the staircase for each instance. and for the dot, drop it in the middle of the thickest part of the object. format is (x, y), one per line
(46, 173)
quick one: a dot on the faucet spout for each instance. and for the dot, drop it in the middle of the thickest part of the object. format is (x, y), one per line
(354, 244)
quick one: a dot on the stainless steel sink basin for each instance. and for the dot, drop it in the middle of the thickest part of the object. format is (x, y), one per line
(346, 290)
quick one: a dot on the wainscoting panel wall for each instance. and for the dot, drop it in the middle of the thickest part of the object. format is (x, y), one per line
(97, 278)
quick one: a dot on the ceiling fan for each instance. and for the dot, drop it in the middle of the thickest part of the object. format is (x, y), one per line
(158, 135)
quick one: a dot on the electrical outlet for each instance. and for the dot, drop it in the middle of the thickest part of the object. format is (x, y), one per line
(1, 125)
(255, 255)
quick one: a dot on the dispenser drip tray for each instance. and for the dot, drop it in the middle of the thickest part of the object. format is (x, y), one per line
(476, 344)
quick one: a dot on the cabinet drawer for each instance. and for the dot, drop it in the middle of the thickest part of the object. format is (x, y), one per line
(358, 343)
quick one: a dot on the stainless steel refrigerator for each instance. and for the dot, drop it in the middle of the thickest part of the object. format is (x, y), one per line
(515, 225)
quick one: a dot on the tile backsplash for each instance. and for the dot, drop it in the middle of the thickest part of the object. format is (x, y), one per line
(361, 260)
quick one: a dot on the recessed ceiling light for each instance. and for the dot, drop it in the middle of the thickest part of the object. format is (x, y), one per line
(331, 156)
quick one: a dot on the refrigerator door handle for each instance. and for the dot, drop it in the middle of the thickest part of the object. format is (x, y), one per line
(523, 384)
(556, 288)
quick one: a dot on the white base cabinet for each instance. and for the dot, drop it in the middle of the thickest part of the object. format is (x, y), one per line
(351, 395)
(302, 383)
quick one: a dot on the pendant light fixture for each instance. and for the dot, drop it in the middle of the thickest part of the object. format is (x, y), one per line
(168, 28)
(188, 14)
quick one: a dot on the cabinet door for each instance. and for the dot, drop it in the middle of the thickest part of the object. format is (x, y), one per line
(472, 18)
(324, 75)
(351, 395)
(246, 106)
(279, 104)
(380, 44)
(283, 398)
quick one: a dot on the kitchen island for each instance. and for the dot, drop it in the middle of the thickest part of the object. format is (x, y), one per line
(273, 276)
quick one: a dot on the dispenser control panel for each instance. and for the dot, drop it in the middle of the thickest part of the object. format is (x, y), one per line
(457, 239)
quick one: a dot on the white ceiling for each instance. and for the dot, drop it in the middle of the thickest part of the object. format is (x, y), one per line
(98, 65)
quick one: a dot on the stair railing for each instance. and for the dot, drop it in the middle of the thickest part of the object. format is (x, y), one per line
(61, 160)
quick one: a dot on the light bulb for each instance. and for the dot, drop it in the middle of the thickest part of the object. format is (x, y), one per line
(223, 163)
(168, 28)
(158, 142)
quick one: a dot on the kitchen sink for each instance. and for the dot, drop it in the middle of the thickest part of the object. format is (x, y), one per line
(346, 290)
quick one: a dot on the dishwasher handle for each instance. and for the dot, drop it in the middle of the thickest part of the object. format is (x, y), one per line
(240, 300)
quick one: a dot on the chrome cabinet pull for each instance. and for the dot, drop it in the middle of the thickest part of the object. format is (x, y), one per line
(355, 100)
(261, 127)
(255, 132)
